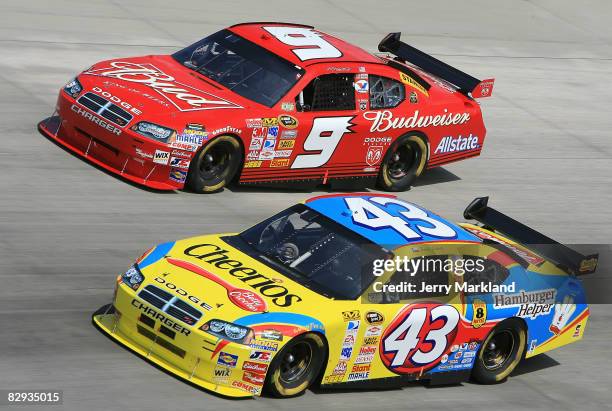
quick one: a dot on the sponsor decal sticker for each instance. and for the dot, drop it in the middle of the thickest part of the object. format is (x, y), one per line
(246, 387)
(177, 175)
(346, 353)
(479, 317)
(161, 157)
(374, 318)
(226, 129)
(267, 151)
(413, 98)
(255, 367)
(184, 97)
(269, 121)
(287, 121)
(374, 155)
(531, 303)
(178, 162)
(362, 86)
(274, 335)
(373, 331)
(366, 354)
(370, 340)
(227, 360)
(264, 345)
(183, 146)
(451, 144)
(351, 315)
(218, 257)
(287, 106)
(340, 368)
(282, 153)
(377, 140)
(384, 120)
(409, 81)
(253, 122)
(256, 143)
(195, 139)
(253, 164)
(286, 144)
(263, 356)
(288, 134)
(253, 378)
(272, 132)
(143, 154)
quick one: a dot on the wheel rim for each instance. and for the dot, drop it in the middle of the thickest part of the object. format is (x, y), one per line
(498, 350)
(214, 161)
(295, 362)
(402, 161)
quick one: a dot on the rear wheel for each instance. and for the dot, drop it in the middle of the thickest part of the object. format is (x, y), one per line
(501, 352)
(403, 163)
(297, 366)
(215, 165)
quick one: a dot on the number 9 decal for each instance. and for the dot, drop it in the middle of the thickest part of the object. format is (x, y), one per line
(418, 337)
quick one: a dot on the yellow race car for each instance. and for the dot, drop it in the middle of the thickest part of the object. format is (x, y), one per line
(328, 292)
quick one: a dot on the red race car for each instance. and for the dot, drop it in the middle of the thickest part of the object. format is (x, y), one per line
(269, 103)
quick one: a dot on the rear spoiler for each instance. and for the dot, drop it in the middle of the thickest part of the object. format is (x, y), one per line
(559, 254)
(466, 83)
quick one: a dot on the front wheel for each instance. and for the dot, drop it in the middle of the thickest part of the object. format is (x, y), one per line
(501, 352)
(403, 163)
(215, 165)
(296, 366)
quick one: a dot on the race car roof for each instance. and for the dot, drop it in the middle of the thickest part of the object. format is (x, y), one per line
(344, 52)
(388, 221)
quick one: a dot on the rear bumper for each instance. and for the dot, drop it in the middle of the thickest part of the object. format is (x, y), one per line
(118, 154)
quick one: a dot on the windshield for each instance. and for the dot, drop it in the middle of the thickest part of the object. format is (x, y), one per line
(314, 251)
(241, 66)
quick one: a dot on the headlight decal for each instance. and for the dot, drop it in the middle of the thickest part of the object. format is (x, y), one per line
(73, 88)
(154, 131)
(228, 331)
(132, 277)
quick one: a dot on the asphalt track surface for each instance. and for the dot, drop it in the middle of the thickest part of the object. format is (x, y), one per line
(67, 228)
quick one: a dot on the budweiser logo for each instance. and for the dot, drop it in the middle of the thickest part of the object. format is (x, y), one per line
(182, 96)
(384, 120)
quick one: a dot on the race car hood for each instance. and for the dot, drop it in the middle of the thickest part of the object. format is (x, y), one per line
(159, 86)
(207, 272)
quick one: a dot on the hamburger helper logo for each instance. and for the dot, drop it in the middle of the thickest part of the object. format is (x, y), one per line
(184, 97)
(530, 303)
(384, 120)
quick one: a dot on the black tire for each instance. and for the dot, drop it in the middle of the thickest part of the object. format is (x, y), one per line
(215, 165)
(500, 352)
(291, 376)
(404, 161)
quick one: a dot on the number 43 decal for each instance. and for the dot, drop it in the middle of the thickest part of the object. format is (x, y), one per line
(418, 337)
(415, 224)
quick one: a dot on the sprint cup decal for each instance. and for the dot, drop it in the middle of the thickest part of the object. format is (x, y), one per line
(182, 96)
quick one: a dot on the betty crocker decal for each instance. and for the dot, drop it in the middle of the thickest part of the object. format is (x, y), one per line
(184, 97)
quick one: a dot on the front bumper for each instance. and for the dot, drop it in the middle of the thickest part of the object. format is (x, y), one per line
(116, 153)
(193, 356)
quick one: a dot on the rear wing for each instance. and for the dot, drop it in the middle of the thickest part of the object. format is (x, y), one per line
(559, 254)
(465, 83)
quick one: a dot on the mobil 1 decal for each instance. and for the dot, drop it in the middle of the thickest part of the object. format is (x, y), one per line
(418, 337)
(322, 141)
